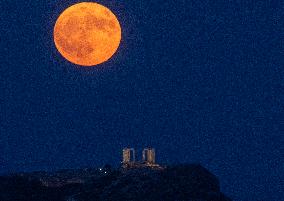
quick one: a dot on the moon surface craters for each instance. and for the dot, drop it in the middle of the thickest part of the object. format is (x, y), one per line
(87, 34)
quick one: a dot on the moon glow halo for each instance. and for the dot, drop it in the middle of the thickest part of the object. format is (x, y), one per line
(87, 34)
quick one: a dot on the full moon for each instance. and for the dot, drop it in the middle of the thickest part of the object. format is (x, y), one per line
(87, 34)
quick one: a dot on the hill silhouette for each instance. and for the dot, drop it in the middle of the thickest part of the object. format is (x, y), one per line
(175, 183)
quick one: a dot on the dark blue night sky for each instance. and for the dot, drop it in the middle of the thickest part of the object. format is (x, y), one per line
(201, 81)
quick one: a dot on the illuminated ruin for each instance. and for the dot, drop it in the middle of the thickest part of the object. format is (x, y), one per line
(128, 155)
(148, 156)
(148, 159)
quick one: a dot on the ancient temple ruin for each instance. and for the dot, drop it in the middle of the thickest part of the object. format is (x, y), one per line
(148, 156)
(148, 159)
(128, 155)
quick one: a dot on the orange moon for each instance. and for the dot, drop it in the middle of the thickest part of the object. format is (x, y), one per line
(87, 34)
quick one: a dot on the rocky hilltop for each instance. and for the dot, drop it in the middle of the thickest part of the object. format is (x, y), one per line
(173, 183)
